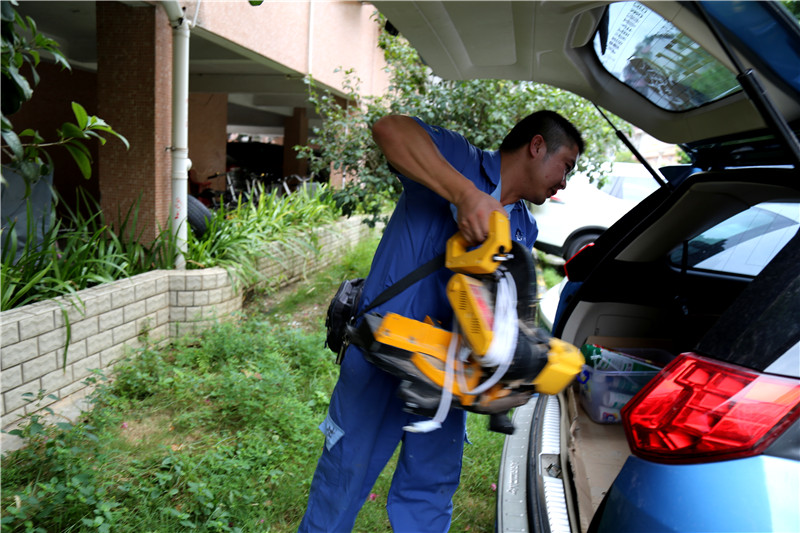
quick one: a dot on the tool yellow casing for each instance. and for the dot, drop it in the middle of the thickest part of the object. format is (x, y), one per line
(413, 336)
(474, 310)
(481, 259)
(427, 350)
(564, 362)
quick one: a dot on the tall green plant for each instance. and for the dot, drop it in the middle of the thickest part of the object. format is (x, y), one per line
(30, 278)
(236, 239)
(81, 249)
(482, 110)
(76, 252)
(41, 272)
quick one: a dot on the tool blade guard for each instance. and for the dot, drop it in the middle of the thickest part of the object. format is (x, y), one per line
(495, 358)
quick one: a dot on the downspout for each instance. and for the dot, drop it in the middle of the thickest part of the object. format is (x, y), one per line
(310, 42)
(180, 127)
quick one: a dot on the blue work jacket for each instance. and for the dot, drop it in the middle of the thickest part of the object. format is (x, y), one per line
(421, 224)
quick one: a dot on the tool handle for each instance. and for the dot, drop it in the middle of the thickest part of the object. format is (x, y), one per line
(481, 259)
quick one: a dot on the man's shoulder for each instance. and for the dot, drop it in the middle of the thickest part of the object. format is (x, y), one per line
(448, 141)
(435, 129)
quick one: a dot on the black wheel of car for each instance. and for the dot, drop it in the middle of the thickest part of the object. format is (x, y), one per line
(577, 243)
(198, 216)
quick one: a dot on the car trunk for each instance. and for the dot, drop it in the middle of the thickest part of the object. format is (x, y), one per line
(597, 451)
(620, 307)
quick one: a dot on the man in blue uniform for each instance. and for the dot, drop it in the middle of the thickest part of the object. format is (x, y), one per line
(448, 185)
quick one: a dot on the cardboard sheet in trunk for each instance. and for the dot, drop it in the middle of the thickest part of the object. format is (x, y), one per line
(597, 453)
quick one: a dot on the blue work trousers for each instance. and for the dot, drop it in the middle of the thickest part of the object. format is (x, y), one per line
(363, 427)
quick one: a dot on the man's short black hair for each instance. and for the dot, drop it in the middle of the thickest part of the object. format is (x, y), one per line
(555, 129)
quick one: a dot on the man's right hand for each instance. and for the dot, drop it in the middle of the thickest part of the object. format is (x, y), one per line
(473, 209)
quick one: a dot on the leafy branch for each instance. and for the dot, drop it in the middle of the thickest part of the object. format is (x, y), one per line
(22, 45)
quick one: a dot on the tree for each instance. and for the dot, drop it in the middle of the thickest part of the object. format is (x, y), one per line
(482, 110)
(793, 6)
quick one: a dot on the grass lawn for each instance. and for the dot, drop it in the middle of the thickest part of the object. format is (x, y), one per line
(216, 432)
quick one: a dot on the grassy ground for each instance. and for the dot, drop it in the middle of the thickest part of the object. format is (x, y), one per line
(551, 274)
(214, 433)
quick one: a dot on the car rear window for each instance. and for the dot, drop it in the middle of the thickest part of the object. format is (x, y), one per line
(744, 243)
(653, 57)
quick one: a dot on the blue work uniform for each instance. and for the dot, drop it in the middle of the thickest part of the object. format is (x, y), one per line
(366, 418)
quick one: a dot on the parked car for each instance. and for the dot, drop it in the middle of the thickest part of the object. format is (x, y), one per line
(692, 297)
(577, 215)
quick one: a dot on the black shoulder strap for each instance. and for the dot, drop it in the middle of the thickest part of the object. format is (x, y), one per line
(409, 279)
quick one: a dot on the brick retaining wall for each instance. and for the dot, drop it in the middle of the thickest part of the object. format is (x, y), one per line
(163, 304)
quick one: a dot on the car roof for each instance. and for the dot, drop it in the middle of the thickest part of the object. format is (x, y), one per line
(552, 42)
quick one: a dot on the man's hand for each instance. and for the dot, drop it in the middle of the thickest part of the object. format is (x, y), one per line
(474, 207)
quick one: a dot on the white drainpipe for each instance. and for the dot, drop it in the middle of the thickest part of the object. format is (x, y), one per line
(180, 126)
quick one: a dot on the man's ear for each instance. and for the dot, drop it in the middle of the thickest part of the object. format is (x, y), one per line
(537, 146)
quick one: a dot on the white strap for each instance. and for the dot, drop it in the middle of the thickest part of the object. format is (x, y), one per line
(500, 354)
(425, 426)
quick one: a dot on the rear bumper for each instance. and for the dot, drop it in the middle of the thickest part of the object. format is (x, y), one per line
(531, 494)
(757, 494)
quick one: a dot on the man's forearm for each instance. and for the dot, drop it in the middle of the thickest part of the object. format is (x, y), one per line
(410, 150)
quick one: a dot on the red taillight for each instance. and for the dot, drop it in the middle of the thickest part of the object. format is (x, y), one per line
(699, 410)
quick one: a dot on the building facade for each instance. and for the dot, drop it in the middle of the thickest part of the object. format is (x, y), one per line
(246, 69)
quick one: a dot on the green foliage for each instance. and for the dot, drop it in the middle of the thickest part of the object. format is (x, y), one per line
(18, 51)
(61, 258)
(211, 433)
(58, 487)
(216, 432)
(81, 249)
(482, 110)
(25, 152)
(551, 276)
(236, 239)
(345, 144)
(793, 6)
(76, 252)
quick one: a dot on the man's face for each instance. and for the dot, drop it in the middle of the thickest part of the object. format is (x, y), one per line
(549, 172)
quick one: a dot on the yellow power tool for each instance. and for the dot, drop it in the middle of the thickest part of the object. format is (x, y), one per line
(495, 359)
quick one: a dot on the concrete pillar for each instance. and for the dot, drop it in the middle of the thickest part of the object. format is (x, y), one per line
(295, 133)
(134, 95)
(208, 118)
